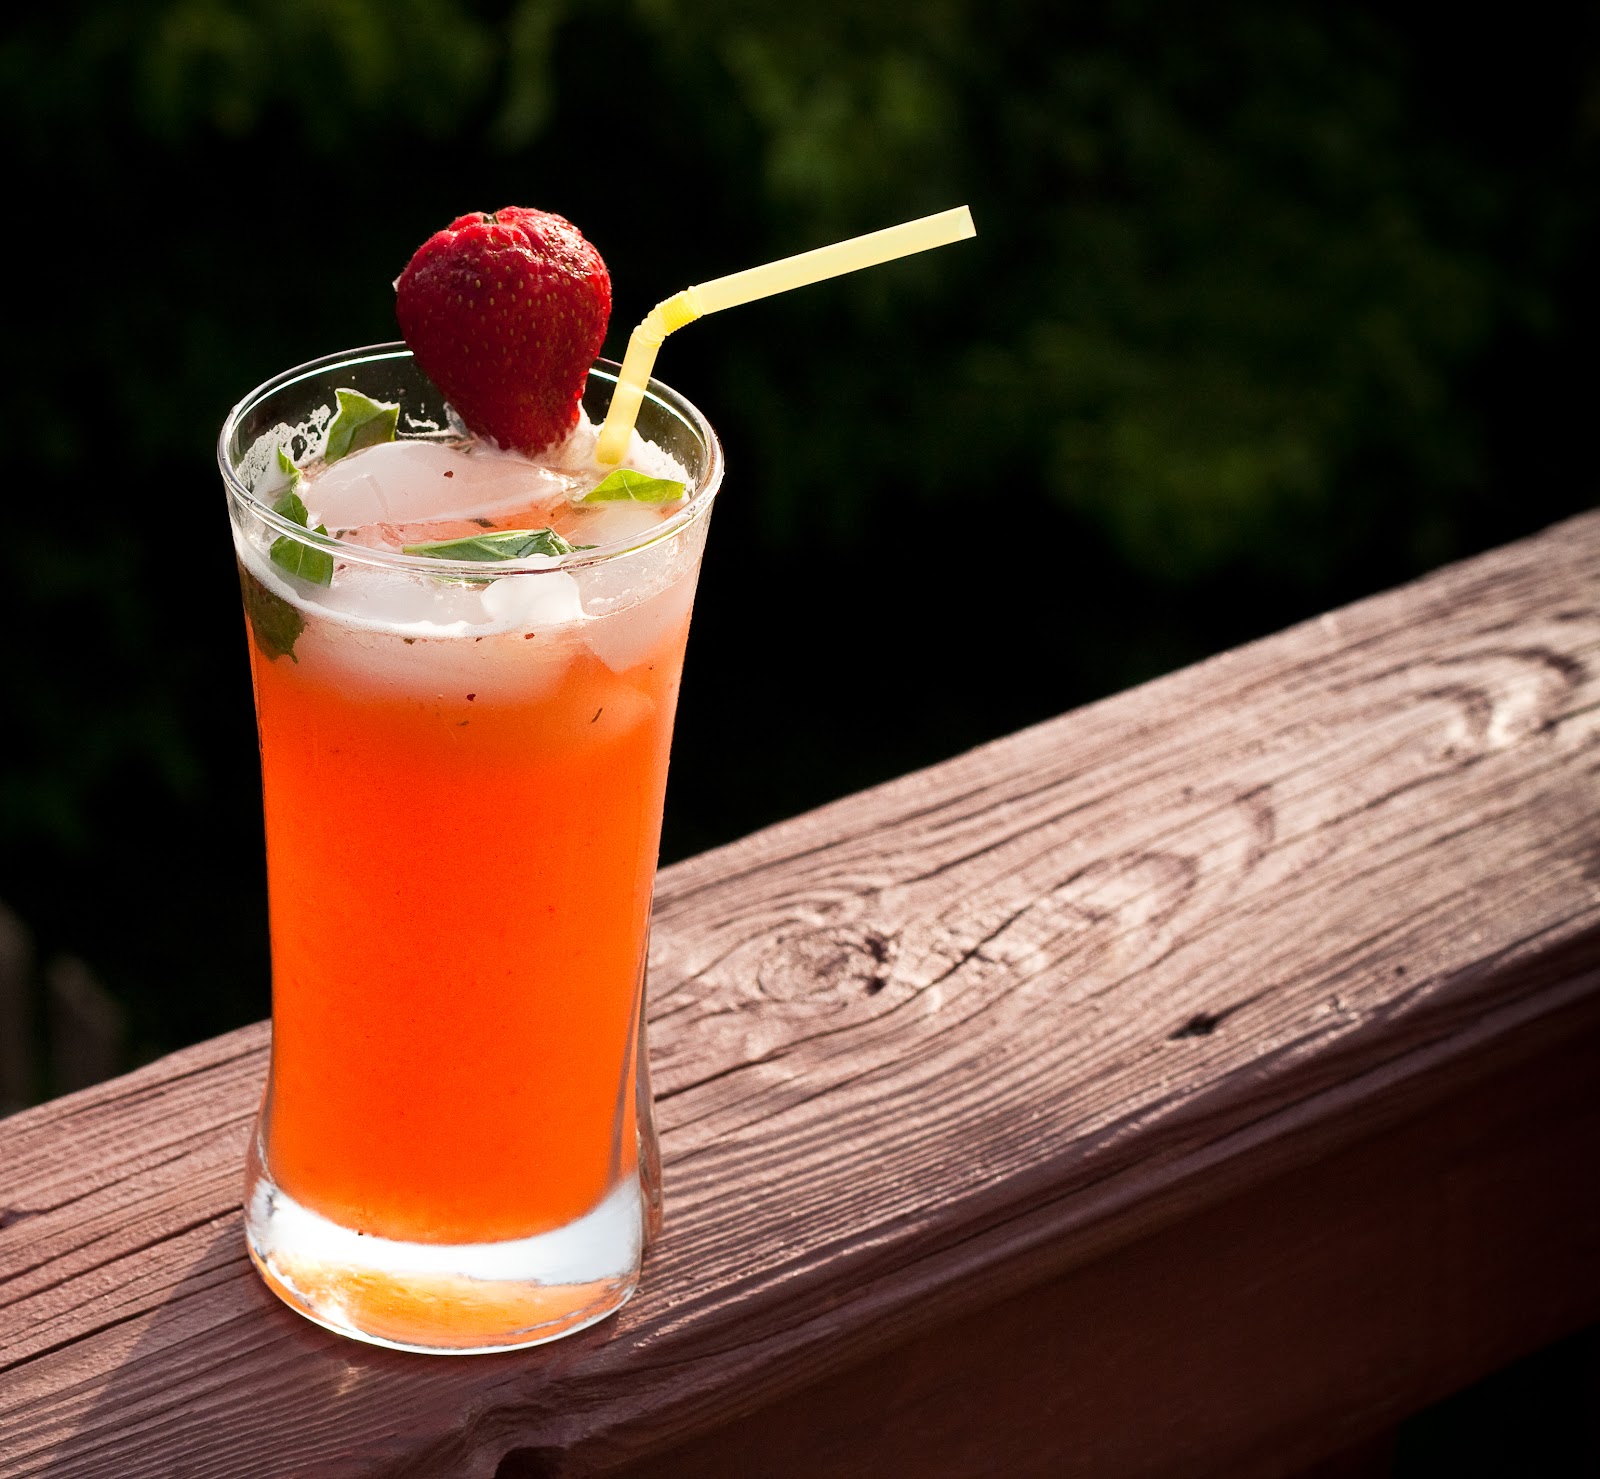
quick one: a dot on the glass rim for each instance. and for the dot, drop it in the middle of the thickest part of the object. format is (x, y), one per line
(703, 490)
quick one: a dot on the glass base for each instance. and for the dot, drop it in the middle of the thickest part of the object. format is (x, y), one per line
(446, 1298)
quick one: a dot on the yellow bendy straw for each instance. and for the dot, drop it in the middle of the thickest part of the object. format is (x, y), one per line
(759, 282)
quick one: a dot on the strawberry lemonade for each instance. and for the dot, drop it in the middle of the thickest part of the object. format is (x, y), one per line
(466, 641)
(466, 665)
(467, 566)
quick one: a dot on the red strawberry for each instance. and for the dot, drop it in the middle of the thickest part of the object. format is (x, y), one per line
(505, 312)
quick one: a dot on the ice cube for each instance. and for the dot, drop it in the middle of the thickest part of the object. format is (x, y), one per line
(417, 482)
(613, 523)
(534, 602)
(633, 634)
(397, 600)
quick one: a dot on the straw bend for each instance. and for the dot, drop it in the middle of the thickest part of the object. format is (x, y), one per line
(671, 313)
(759, 282)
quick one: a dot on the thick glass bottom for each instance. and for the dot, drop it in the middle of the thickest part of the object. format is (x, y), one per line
(446, 1298)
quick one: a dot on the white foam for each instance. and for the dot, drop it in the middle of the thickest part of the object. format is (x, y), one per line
(258, 468)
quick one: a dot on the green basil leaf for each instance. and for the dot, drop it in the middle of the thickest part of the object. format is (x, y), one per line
(275, 624)
(291, 507)
(504, 544)
(300, 559)
(303, 560)
(627, 486)
(361, 422)
(289, 470)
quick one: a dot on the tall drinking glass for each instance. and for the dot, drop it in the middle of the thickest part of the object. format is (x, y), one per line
(463, 768)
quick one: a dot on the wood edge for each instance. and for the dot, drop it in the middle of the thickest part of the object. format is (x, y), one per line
(793, 837)
(251, 1040)
(996, 1253)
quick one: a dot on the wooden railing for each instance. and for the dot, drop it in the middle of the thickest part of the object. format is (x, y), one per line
(1197, 1083)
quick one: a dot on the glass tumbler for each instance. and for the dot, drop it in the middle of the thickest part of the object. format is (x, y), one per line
(463, 766)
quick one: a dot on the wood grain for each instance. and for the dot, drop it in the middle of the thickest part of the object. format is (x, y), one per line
(929, 1054)
(1311, 1312)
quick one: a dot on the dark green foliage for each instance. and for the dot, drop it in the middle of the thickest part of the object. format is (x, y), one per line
(1270, 306)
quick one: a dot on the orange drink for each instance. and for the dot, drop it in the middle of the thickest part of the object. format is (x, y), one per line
(465, 723)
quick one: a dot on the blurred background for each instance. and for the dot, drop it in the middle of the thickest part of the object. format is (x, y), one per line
(1272, 306)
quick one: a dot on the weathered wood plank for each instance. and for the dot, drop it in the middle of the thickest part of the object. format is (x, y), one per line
(1310, 1312)
(933, 1051)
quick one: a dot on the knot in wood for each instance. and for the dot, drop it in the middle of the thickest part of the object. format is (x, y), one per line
(836, 962)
